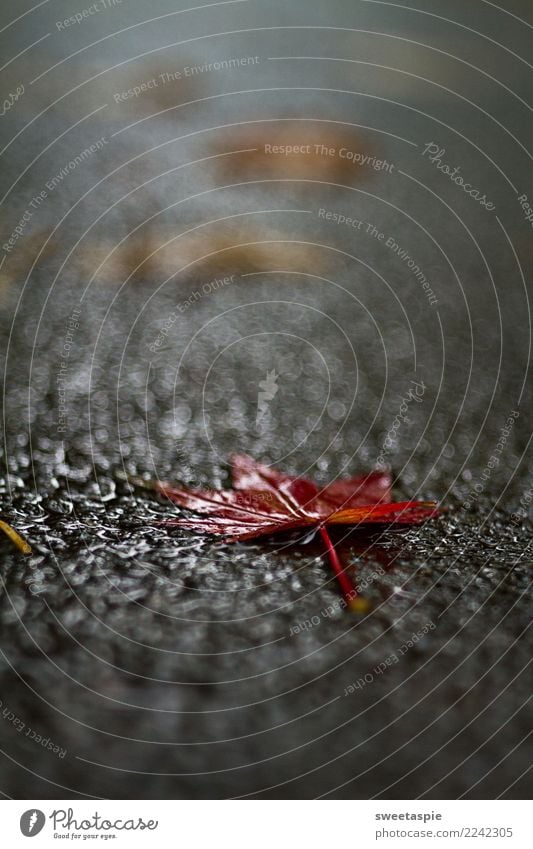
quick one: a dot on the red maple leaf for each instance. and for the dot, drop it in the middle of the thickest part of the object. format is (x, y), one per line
(265, 501)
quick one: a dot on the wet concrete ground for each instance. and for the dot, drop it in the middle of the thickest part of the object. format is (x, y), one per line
(171, 665)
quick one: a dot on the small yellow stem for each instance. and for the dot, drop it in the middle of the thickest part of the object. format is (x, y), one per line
(15, 538)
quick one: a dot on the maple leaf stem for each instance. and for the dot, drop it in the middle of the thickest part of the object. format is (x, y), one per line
(348, 590)
(15, 538)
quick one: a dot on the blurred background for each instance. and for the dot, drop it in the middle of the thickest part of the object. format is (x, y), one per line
(326, 203)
